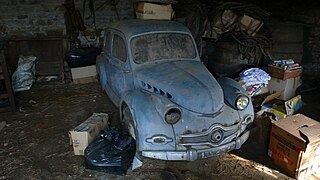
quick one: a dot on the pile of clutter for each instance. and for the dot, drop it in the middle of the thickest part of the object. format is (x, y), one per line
(254, 80)
(285, 69)
(274, 90)
(286, 65)
(293, 139)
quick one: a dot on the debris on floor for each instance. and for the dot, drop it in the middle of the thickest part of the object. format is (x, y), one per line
(82, 135)
(26, 153)
(2, 125)
(111, 152)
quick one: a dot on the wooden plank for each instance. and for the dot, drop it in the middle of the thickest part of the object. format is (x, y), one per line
(5, 109)
(7, 79)
(85, 80)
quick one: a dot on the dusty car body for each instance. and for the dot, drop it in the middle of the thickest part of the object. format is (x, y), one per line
(168, 100)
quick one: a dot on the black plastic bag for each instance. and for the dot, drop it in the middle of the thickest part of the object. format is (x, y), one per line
(111, 152)
(81, 57)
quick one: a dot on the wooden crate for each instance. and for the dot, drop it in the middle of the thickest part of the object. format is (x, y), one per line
(282, 74)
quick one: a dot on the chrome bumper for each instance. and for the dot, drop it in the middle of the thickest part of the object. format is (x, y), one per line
(193, 154)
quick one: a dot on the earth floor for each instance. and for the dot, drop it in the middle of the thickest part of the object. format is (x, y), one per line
(34, 144)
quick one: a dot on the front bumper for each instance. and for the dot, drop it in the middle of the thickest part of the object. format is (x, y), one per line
(194, 154)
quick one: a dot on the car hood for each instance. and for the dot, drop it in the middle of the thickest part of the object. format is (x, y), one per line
(186, 83)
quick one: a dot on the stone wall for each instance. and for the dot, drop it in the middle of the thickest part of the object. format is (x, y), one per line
(25, 18)
(311, 61)
(31, 17)
(106, 12)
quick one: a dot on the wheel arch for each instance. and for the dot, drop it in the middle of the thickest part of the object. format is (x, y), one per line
(147, 121)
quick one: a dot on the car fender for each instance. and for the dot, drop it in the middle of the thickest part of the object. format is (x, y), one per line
(148, 121)
(229, 85)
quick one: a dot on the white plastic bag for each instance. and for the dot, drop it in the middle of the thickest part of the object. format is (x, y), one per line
(25, 74)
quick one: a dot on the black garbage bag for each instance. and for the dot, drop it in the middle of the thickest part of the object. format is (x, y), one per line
(81, 57)
(111, 152)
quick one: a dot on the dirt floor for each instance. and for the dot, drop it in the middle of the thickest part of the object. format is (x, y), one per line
(34, 144)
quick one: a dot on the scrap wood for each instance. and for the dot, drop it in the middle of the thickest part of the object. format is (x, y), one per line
(48, 107)
(2, 125)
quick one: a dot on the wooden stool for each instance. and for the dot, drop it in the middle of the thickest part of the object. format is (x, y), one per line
(7, 93)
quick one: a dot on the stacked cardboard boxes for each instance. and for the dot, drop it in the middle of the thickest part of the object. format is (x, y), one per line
(285, 78)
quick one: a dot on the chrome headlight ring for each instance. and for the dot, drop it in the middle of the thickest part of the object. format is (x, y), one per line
(242, 102)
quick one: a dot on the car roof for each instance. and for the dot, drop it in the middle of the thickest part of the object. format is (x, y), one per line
(134, 27)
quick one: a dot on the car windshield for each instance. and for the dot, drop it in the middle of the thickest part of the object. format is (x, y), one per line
(160, 46)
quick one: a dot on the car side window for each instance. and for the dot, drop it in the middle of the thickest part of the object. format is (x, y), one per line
(119, 50)
(107, 43)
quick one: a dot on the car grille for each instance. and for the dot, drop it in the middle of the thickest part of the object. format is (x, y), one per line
(215, 136)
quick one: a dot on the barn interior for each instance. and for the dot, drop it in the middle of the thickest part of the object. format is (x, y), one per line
(49, 83)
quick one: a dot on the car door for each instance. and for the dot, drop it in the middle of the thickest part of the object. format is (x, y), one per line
(119, 67)
(103, 59)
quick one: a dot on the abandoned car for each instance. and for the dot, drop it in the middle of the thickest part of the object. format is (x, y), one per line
(169, 102)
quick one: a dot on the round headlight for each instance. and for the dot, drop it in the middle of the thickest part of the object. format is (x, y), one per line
(242, 102)
(172, 116)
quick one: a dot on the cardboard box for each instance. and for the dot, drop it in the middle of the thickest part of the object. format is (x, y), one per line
(146, 10)
(295, 146)
(86, 132)
(263, 123)
(281, 108)
(221, 23)
(287, 87)
(250, 25)
(84, 75)
(282, 74)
